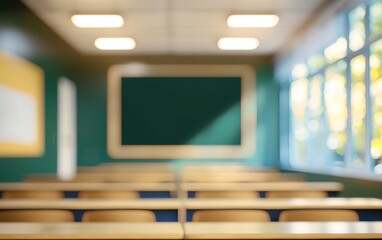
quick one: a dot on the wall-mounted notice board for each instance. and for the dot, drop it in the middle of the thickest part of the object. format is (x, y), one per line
(181, 111)
(21, 107)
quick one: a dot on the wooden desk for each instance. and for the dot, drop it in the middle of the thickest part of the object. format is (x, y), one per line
(224, 168)
(281, 204)
(283, 230)
(181, 210)
(235, 177)
(165, 209)
(91, 231)
(194, 204)
(369, 209)
(69, 186)
(118, 177)
(265, 186)
(129, 168)
(274, 230)
(87, 204)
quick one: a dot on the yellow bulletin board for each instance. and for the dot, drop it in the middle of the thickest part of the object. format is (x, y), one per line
(21, 107)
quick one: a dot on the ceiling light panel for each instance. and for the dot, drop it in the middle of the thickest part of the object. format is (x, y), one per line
(97, 21)
(115, 43)
(238, 43)
(252, 21)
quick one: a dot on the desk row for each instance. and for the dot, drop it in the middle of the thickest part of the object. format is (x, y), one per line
(141, 195)
(229, 230)
(197, 216)
(163, 177)
(182, 210)
(172, 187)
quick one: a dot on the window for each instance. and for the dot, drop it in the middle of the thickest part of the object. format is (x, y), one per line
(358, 110)
(299, 104)
(315, 123)
(376, 103)
(357, 28)
(336, 100)
(316, 62)
(336, 112)
(376, 19)
(336, 51)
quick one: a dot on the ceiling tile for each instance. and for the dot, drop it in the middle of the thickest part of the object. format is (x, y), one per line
(174, 26)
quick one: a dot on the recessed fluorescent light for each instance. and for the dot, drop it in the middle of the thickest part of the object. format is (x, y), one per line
(252, 21)
(97, 21)
(114, 43)
(238, 43)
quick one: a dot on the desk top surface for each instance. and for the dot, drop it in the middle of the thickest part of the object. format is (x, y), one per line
(118, 177)
(238, 176)
(243, 230)
(284, 230)
(239, 186)
(264, 186)
(79, 186)
(87, 204)
(91, 231)
(192, 204)
(291, 203)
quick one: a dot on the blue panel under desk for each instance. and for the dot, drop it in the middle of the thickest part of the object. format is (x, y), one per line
(151, 194)
(262, 194)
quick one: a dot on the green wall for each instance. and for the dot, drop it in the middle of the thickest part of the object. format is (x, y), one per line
(25, 35)
(22, 33)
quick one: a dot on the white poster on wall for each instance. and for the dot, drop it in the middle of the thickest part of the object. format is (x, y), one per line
(67, 130)
(18, 121)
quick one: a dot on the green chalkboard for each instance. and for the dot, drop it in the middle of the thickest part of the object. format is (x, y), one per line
(181, 111)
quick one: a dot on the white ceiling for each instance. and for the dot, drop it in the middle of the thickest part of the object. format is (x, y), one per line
(177, 27)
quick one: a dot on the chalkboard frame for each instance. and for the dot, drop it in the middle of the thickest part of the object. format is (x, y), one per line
(117, 150)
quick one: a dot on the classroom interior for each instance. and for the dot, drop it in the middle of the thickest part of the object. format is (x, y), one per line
(175, 117)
